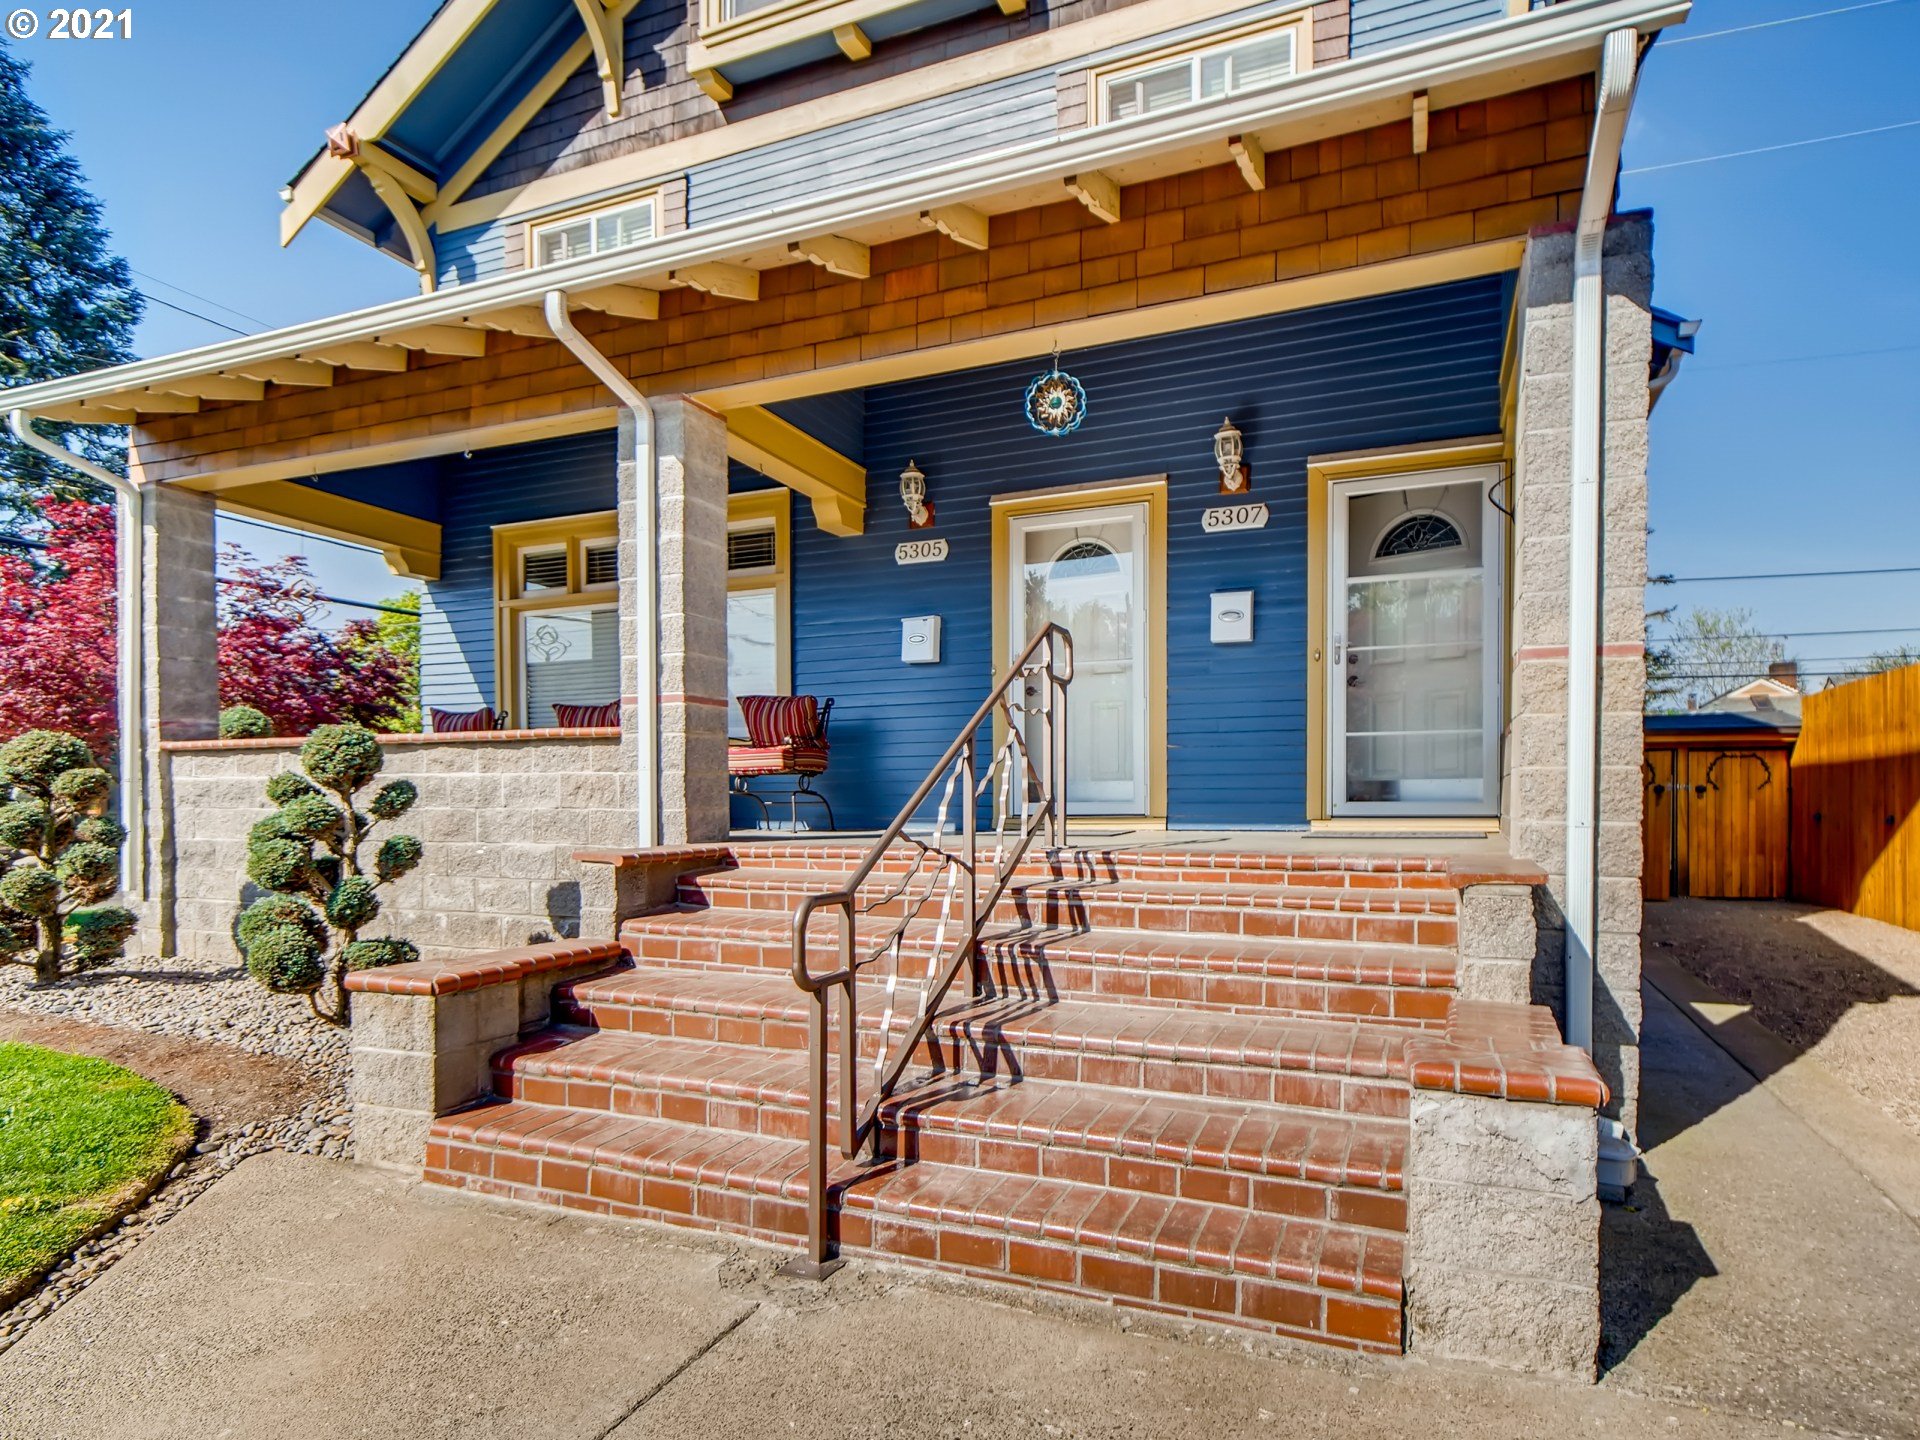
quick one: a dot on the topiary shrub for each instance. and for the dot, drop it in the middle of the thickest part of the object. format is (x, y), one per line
(243, 722)
(304, 935)
(59, 858)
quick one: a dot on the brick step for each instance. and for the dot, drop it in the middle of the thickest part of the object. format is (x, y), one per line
(1338, 1066)
(1386, 917)
(1293, 1162)
(1313, 1279)
(1411, 984)
(1227, 867)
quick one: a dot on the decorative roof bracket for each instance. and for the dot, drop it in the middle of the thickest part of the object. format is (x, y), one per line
(607, 33)
(401, 188)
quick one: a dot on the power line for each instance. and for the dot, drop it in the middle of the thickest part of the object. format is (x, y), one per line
(1802, 359)
(1811, 634)
(204, 299)
(1782, 575)
(208, 319)
(1770, 24)
(1769, 149)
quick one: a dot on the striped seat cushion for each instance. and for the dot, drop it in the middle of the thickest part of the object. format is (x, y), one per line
(781, 720)
(459, 722)
(587, 717)
(776, 759)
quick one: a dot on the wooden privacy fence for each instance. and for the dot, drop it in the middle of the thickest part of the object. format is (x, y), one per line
(1715, 817)
(1856, 798)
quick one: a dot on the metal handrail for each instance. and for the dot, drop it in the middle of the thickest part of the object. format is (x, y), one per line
(1046, 664)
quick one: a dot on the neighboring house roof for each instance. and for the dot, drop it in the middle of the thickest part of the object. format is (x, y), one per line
(1724, 722)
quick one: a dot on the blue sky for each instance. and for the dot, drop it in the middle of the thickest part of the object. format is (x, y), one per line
(1764, 458)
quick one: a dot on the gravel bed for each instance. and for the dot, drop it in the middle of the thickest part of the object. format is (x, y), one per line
(198, 1000)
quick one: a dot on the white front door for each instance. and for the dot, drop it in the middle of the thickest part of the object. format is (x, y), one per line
(1414, 626)
(1086, 570)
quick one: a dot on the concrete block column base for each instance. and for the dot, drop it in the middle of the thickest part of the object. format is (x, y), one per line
(1503, 1243)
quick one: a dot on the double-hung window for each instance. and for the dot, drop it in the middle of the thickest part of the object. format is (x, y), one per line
(1209, 72)
(758, 597)
(557, 617)
(594, 232)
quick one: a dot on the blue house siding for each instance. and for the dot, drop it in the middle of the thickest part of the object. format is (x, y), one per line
(1395, 370)
(878, 147)
(1378, 24)
(573, 475)
(476, 253)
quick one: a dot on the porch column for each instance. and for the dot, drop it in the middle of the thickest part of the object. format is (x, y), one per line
(181, 662)
(690, 444)
(1537, 752)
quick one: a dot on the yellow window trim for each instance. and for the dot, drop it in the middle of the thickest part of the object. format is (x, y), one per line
(1300, 22)
(533, 227)
(1322, 472)
(751, 510)
(576, 533)
(1150, 490)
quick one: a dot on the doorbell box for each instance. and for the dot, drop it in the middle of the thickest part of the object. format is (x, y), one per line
(920, 640)
(1233, 617)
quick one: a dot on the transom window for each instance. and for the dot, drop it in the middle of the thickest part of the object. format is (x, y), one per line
(1232, 67)
(596, 232)
(1417, 534)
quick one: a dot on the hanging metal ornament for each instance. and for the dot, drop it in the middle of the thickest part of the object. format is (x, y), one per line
(1056, 402)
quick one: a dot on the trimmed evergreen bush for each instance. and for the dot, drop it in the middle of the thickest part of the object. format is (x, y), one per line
(243, 722)
(304, 935)
(59, 858)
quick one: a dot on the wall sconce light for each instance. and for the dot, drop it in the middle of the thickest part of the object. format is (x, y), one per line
(913, 494)
(1235, 477)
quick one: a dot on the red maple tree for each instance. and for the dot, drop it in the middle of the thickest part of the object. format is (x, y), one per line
(57, 656)
(275, 657)
(57, 649)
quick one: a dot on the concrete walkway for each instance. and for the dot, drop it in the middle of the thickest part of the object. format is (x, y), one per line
(1760, 1280)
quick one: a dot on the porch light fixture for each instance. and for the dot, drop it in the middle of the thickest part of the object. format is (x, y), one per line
(913, 494)
(1230, 453)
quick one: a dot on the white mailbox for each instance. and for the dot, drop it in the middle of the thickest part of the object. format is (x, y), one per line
(1233, 617)
(920, 640)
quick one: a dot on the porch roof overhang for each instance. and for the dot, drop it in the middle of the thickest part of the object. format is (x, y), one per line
(1503, 55)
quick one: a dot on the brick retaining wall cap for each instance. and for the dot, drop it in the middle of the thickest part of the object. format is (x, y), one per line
(657, 855)
(1513, 1052)
(465, 737)
(474, 972)
(1493, 870)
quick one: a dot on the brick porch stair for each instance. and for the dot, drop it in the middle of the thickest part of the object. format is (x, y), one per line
(1170, 1095)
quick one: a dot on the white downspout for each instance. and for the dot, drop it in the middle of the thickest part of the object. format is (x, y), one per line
(645, 562)
(129, 687)
(1617, 76)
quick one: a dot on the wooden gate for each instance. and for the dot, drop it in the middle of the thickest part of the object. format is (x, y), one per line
(1856, 803)
(1715, 818)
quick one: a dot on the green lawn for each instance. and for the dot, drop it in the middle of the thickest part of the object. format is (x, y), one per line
(77, 1136)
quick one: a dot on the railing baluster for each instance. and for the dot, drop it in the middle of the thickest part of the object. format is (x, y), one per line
(972, 826)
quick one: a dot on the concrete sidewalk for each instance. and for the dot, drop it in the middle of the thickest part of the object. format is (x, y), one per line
(1760, 1280)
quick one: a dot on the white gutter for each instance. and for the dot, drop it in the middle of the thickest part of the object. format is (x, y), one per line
(1618, 66)
(1563, 33)
(129, 686)
(645, 577)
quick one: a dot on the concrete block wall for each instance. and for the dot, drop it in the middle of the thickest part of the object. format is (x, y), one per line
(500, 820)
(1537, 749)
(1503, 1233)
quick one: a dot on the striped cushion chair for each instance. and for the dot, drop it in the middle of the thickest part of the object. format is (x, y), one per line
(786, 735)
(461, 722)
(587, 717)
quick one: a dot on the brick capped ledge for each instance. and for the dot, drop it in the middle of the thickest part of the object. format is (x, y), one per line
(1510, 1052)
(657, 855)
(469, 737)
(1468, 870)
(475, 972)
